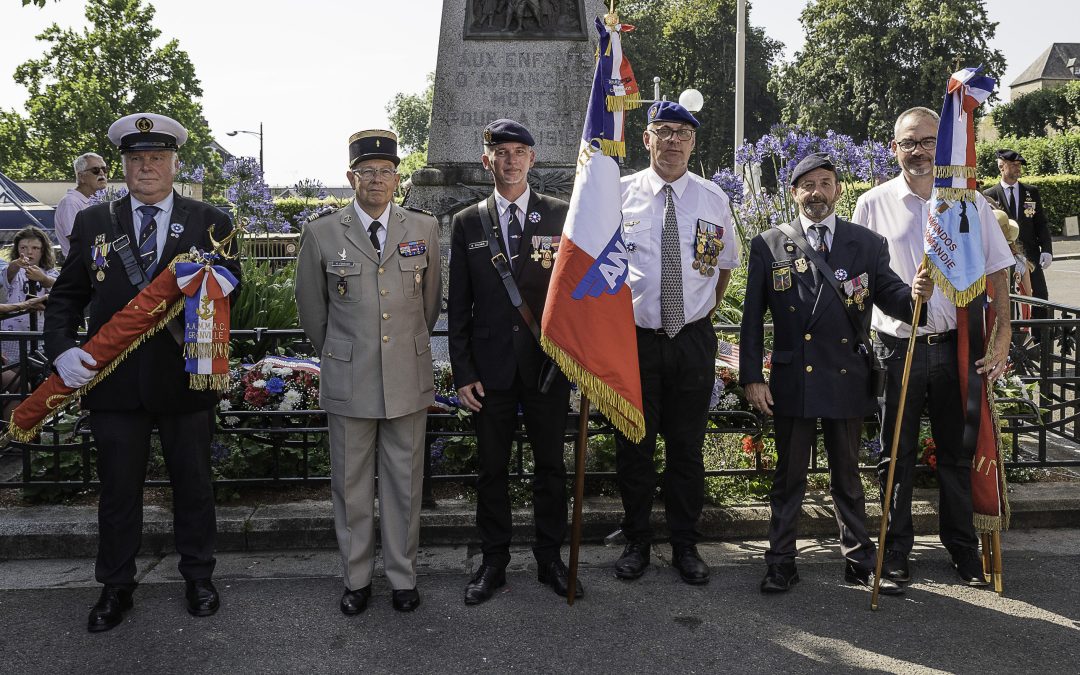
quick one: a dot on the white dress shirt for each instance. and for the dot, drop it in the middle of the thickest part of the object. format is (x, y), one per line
(163, 219)
(366, 221)
(502, 205)
(898, 214)
(1015, 188)
(64, 218)
(643, 223)
(811, 235)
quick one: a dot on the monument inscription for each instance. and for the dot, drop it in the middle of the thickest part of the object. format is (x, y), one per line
(528, 19)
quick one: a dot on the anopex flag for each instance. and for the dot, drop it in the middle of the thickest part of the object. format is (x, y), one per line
(588, 326)
(953, 246)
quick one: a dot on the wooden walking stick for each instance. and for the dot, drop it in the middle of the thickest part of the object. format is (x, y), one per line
(892, 451)
(579, 492)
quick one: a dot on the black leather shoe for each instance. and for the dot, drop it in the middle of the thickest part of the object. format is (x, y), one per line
(406, 600)
(969, 568)
(354, 602)
(556, 575)
(779, 578)
(633, 561)
(896, 567)
(109, 610)
(202, 597)
(483, 584)
(864, 577)
(692, 569)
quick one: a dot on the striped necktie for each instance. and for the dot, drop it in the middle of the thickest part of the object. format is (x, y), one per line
(148, 237)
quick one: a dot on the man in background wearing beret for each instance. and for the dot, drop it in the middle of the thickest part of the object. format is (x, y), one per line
(509, 240)
(116, 248)
(820, 361)
(682, 245)
(368, 283)
(1023, 204)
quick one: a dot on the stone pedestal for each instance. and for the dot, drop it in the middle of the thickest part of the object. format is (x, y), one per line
(529, 60)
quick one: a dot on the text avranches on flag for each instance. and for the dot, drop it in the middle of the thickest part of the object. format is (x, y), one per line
(588, 324)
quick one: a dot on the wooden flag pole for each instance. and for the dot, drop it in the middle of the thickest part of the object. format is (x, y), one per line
(892, 452)
(579, 493)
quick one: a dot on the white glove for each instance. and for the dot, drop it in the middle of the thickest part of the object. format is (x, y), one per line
(1045, 259)
(71, 367)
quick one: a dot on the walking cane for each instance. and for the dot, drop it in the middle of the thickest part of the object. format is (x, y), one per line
(892, 451)
(579, 492)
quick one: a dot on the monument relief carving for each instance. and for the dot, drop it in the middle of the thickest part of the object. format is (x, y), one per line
(529, 19)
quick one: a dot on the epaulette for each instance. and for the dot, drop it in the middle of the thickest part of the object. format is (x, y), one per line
(423, 211)
(322, 214)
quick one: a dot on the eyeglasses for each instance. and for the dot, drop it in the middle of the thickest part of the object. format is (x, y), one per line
(369, 174)
(666, 133)
(907, 145)
(98, 170)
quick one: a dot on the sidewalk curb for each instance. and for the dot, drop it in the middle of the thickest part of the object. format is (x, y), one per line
(71, 531)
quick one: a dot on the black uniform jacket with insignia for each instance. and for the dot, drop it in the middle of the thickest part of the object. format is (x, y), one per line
(489, 340)
(1034, 231)
(818, 369)
(153, 376)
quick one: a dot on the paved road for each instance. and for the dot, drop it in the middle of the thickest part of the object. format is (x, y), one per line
(1063, 282)
(280, 615)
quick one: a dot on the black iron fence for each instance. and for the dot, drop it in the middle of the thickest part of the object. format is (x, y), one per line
(289, 447)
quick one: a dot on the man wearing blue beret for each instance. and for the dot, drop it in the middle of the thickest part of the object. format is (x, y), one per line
(682, 245)
(502, 253)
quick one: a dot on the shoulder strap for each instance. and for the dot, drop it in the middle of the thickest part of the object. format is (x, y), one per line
(502, 266)
(829, 276)
(122, 245)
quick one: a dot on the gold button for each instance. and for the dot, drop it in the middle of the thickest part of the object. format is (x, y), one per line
(843, 341)
(791, 308)
(330, 354)
(386, 315)
(843, 371)
(806, 337)
(384, 292)
(416, 267)
(809, 369)
(386, 338)
(381, 270)
(341, 272)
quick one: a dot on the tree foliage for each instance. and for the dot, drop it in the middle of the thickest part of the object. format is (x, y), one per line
(866, 61)
(1035, 112)
(410, 117)
(691, 44)
(86, 80)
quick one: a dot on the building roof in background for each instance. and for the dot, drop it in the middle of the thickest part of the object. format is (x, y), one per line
(1051, 64)
(9, 190)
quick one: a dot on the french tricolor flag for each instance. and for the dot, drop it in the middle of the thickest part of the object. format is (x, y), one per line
(588, 325)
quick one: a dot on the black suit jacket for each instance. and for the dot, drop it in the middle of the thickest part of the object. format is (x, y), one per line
(1034, 230)
(818, 369)
(489, 340)
(152, 377)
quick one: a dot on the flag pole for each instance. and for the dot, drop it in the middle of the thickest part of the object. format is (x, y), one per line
(892, 451)
(579, 493)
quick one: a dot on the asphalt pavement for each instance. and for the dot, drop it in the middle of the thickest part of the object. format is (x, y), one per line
(279, 615)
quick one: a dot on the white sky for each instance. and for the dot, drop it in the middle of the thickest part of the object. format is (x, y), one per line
(313, 72)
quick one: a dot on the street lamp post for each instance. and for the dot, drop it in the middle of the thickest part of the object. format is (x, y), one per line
(258, 133)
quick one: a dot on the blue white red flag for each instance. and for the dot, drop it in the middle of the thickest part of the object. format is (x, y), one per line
(588, 325)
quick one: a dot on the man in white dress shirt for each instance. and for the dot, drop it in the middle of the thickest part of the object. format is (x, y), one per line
(91, 175)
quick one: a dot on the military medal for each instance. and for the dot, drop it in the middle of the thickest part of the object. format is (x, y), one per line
(534, 217)
(840, 274)
(709, 243)
(800, 265)
(342, 286)
(781, 276)
(101, 275)
(544, 248)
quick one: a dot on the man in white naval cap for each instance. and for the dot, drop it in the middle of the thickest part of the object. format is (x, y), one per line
(116, 249)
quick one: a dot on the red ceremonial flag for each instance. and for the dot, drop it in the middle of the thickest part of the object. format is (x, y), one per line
(588, 326)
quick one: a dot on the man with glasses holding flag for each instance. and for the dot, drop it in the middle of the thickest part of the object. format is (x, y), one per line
(368, 295)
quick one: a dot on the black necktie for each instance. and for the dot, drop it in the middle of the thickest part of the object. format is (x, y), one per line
(1012, 203)
(513, 235)
(822, 247)
(373, 233)
(148, 236)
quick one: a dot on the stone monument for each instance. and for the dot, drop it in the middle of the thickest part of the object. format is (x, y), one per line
(529, 60)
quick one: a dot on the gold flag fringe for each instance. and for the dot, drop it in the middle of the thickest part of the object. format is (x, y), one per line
(612, 148)
(954, 171)
(960, 298)
(626, 418)
(204, 382)
(627, 102)
(215, 350)
(955, 194)
(27, 435)
(984, 522)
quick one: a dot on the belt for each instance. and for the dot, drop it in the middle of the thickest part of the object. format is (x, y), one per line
(660, 331)
(928, 339)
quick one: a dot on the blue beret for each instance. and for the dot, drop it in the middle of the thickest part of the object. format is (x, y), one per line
(147, 131)
(670, 111)
(815, 160)
(1011, 156)
(507, 131)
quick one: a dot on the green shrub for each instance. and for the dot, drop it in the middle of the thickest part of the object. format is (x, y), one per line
(291, 207)
(1045, 155)
(1060, 197)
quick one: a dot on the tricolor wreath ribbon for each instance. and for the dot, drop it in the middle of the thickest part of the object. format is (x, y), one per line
(206, 322)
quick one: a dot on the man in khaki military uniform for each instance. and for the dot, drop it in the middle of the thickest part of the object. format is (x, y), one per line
(368, 292)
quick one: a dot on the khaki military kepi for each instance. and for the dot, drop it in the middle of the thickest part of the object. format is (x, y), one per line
(373, 144)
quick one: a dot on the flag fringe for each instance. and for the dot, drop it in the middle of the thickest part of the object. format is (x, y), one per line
(27, 435)
(954, 171)
(204, 382)
(612, 148)
(215, 350)
(955, 194)
(626, 418)
(626, 102)
(960, 298)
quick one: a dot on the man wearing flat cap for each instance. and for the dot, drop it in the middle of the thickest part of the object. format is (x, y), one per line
(818, 276)
(682, 244)
(368, 294)
(115, 250)
(502, 254)
(1023, 204)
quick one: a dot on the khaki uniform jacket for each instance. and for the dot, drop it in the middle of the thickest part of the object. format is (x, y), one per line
(370, 320)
